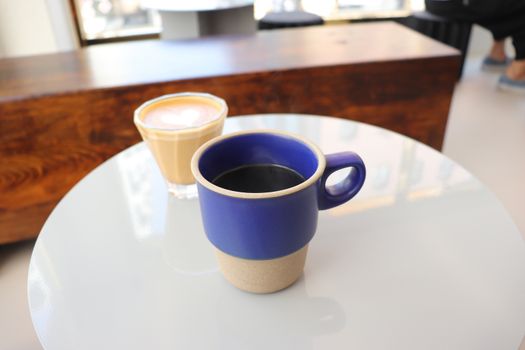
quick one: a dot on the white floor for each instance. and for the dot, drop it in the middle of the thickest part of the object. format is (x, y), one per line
(486, 134)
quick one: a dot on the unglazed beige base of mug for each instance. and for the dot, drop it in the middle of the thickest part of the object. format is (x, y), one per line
(262, 276)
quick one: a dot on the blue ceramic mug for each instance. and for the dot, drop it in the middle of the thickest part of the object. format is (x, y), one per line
(269, 225)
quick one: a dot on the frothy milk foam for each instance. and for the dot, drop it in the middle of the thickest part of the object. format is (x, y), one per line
(176, 115)
(174, 127)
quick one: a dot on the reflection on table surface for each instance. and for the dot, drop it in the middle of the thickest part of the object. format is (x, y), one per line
(423, 251)
(408, 172)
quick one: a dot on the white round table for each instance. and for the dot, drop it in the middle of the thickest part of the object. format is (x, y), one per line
(424, 257)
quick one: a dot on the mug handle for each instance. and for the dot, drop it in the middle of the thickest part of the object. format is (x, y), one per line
(343, 191)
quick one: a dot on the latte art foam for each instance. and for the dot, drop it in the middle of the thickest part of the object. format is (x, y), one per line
(176, 115)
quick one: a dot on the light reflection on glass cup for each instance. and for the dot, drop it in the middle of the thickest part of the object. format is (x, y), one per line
(173, 127)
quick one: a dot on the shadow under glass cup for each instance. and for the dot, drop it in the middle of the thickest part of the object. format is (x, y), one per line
(173, 127)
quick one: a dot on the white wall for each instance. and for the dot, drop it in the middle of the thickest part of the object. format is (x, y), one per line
(30, 27)
(63, 26)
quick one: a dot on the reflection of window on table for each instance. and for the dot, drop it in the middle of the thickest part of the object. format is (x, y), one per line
(340, 10)
(114, 20)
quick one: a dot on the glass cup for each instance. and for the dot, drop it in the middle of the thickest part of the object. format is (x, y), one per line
(173, 127)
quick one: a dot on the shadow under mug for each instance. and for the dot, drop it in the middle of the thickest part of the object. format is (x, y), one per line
(269, 225)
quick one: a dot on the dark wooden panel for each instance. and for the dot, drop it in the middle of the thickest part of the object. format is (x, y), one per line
(50, 140)
(119, 65)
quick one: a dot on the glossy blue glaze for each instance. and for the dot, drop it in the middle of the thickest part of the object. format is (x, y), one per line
(259, 228)
(345, 190)
(279, 223)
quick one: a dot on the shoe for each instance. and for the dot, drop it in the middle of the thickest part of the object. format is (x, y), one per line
(491, 65)
(507, 84)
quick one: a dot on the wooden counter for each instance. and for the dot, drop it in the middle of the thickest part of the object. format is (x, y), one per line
(63, 114)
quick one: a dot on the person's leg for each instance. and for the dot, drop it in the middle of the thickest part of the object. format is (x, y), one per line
(497, 51)
(496, 61)
(509, 21)
(516, 70)
(476, 12)
(514, 77)
(512, 25)
(504, 18)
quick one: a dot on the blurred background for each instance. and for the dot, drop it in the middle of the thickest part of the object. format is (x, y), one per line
(485, 131)
(44, 26)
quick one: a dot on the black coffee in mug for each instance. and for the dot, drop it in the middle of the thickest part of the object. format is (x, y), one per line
(258, 178)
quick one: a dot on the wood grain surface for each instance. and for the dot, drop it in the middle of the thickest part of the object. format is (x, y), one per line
(62, 115)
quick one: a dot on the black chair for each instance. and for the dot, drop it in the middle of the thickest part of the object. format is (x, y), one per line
(290, 19)
(448, 31)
